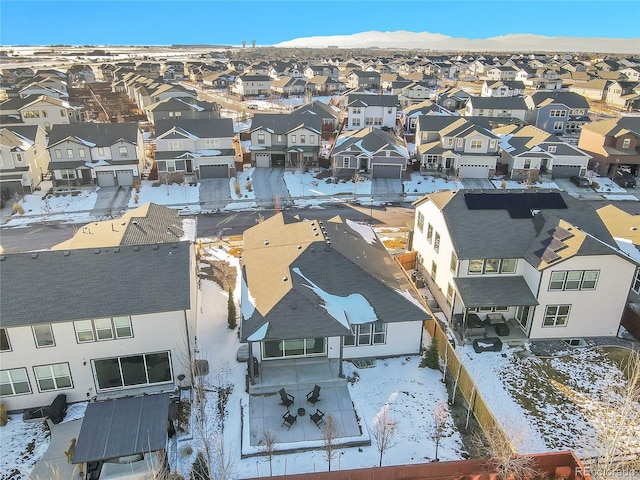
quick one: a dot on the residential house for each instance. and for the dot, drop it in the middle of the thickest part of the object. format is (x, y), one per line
(541, 263)
(181, 107)
(502, 89)
(624, 95)
(453, 146)
(194, 147)
(528, 151)
(155, 92)
(286, 139)
(40, 110)
(557, 112)
(149, 69)
(104, 343)
(452, 98)
(80, 75)
(499, 72)
(219, 80)
(632, 73)
(172, 71)
(247, 85)
(323, 70)
(594, 89)
(324, 85)
(49, 86)
(288, 86)
(365, 110)
(329, 116)
(24, 159)
(409, 115)
(293, 308)
(359, 79)
(105, 154)
(374, 151)
(513, 107)
(613, 143)
(279, 69)
(415, 92)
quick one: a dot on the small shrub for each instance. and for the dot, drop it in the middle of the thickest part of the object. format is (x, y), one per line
(231, 312)
(432, 360)
(595, 185)
(200, 468)
(249, 186)
(353, 378)
(75, 193)
(17, 208)
(136, 198)
(4, 417)
(156, 184)
(236, 186)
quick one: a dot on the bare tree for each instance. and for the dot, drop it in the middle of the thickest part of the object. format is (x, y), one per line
(439, 417)
(267, 445)
(383, 431)
(222, 466)
(330, 431)
(618, 447)
(498, 446)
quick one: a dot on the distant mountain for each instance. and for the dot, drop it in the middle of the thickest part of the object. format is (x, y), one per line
(435, 41)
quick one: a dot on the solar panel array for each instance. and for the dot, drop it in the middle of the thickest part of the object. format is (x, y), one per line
(519, 205)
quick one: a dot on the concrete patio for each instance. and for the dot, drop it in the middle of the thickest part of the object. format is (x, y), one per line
(53, 463)
(298, 377)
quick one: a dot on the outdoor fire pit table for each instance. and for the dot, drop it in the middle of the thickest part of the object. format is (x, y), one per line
(301, 412)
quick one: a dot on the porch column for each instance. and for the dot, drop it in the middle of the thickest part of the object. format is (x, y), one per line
(340, 372)
(251, 372)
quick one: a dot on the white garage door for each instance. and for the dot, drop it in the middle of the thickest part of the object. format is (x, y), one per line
(263, 160)
(106, 179)
(474, 171)
(125, 177)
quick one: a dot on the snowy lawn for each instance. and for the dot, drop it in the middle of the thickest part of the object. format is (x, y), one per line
(171, 195)
(410, 393)
(556, 403)
(245, 186)
(59, 207)
(22, 444)
(419, 185)
(322, 186)
(514, 184)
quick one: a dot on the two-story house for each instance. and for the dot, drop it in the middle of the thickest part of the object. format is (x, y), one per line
(293, 308)
(513, 107)
(502, 89)
(286, 139)
(369, 110)
(452, 98)
(88, 325)
(452, 146)
(182, 107)
(370, 150)
(591, 89)
(40, 110)
(541, 262)
(324, 85)
(409, 115)
(195, 147)
(612, 143)
(529, 151)
(105, 154)
(24, 159)
(557, 112)
(624, 95)
(288, 86)
(500, 72)
(359, 79)
(248, 85)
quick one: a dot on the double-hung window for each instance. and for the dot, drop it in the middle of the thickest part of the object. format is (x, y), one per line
(14, 382)
(556, 315)
(53, 377)
(43, 335)
(123, 152)
(101, 329)
(367, 334)
(420, 221)
(573, 280)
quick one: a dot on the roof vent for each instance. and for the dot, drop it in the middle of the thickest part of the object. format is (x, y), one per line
(2, 257)
(299, 247)
(266, 242)
(66, 253)
(285, 279)
(174, 245)
(96, 251)
(316, 234)
(136, 248)
(34, 255)
(156, 247)
(116, 250)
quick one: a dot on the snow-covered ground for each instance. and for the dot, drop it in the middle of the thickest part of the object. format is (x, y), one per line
(173, 195)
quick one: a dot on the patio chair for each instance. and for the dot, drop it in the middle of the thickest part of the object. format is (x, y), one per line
(314, 395)
(317, 417)
(285, 398)
(288, 419)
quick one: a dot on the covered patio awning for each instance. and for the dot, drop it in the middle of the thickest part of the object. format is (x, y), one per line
(123, 427)
(502, 291)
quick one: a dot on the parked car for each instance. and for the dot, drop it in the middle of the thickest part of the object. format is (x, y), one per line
(252, 106)
(580, 181)
(625, 179)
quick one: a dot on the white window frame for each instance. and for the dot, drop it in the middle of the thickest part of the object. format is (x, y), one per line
(35, 335)
(429, 233)
(101, 151)
(54, 377)
(355, 122)
(476, 144)
(144, 359)
(69, 153)
(123, 149)
(483, 262)
(58, 153)
(564, 280)
(436, 242)
(556, 318)
(82, 153)
(420, 221)
(12, 382)
(558, 125)
(557, 113)
(551, 149)
(95, 328)
(376, 335)
(626, 143)
(4, 333)
(635, 286)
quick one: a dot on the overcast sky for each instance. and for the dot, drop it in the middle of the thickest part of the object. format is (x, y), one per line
(228, 22)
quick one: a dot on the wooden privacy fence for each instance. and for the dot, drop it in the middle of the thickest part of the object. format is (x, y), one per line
(460, 375)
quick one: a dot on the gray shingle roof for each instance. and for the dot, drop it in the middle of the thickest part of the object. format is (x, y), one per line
(570, 99)
(102, 134)
(503, 291)
(498, 103)
(201, 128)
(281, 123)
(368, 140)
(56, 286)
(494, 234)
(372, 100)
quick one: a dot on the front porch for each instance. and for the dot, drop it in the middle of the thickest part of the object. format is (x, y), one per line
(298, 377)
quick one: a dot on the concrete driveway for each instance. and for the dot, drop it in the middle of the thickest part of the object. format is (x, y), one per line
(477, 184)
(111, 200)
(386, 189)
(269, 186)
(214, 193)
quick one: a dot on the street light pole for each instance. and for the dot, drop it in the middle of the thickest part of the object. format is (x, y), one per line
(371, 211)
